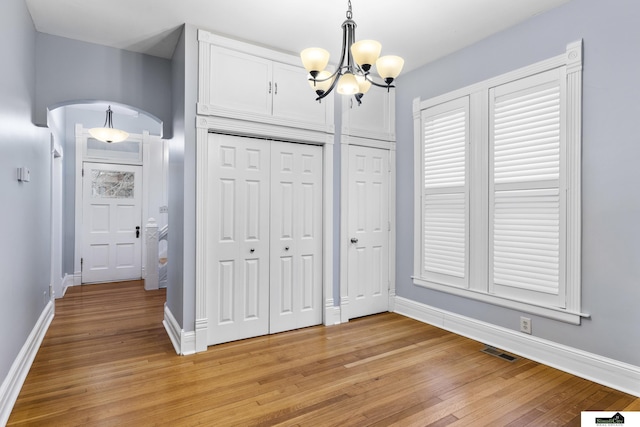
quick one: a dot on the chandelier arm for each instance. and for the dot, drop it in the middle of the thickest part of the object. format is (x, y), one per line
(373, 82)
(328, 91)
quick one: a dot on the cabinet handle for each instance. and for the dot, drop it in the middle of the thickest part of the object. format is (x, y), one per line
(276, 89)
(351, 103)
(270, 87)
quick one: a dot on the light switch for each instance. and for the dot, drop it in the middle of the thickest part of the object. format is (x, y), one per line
(24, 174)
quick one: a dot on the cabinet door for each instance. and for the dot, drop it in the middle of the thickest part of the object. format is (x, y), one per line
(293, 99)
(296, 236)
(238, 220)
(371, 119)
(237, 81)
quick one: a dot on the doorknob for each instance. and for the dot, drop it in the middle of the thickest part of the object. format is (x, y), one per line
(138, 232)
(354, 240)
(252, 250)
(286, 248)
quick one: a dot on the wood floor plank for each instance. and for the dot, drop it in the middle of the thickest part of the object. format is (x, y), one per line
(106, 360)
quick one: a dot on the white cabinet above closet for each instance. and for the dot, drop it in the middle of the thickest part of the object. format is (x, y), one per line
(373, 119)
(247, 82)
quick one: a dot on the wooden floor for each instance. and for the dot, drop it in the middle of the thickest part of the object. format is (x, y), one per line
(107, 361)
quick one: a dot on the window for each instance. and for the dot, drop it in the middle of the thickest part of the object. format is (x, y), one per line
(498, 189)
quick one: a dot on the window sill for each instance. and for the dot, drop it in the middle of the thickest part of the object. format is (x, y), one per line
(563, 315)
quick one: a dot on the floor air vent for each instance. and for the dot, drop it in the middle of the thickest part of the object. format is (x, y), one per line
(499, 353)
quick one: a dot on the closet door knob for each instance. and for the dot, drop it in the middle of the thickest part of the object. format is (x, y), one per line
(354, 240)
(286, 248)
(252, 250)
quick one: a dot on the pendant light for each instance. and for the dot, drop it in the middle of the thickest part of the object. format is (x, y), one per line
(352, 76)
(107, 133)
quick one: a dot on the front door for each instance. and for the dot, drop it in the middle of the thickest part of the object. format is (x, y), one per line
(111, 222)
(368, 231)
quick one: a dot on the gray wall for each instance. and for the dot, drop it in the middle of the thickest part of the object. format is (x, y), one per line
(610, 172)
(25, 217)
(70, 70)
(182, 181)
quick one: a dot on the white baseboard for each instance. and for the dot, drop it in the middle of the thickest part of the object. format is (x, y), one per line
(14, 380)
(67, 281)
(332, 316)
(183, 342)
(605, 371)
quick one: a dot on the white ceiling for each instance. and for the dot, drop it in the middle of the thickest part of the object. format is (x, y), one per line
(418, 30)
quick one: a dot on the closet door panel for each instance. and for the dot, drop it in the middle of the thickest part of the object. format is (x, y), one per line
(296, 236)
(238, 216)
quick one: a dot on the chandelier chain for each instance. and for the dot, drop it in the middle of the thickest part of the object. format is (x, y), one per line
(349, 12)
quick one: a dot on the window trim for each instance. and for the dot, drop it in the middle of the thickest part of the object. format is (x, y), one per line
(478, 95)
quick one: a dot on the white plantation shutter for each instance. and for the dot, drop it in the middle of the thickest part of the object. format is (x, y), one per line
(526, 240)
(445, 195)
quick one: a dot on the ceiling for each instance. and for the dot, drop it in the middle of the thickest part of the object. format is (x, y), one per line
(418, 30)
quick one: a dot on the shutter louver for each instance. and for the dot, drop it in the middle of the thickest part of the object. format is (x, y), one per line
(527, 137)
(526, 241)
(445, 194)
(525, 236)
(444, 234)
(444, 150)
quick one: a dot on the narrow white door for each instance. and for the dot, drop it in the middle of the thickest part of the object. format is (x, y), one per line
(368, 231)
(111, 222)
(296, 236)
(238, 240)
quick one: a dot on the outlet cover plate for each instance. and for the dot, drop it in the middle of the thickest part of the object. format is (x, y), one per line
(525, 325)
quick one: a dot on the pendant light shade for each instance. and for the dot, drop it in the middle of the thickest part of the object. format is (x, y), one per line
(348, 85)
(107, 133)
(314, 59)
(322, 82)
(389, 67)
(366, 53)
(363, 84)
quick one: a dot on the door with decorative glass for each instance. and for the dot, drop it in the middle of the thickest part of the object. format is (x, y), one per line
(111, 222)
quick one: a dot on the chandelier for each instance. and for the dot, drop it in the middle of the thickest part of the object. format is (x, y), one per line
(353, 73)
(107, 133)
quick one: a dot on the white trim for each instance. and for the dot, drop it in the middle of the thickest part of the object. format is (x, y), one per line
(327, 231)
(560, 314)
(14, 380)
(202, 178)
(183, 342)
(232, 126)
(600, 369)
(69, 280)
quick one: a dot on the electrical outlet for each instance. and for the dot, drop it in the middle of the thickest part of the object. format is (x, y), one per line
(525, 325)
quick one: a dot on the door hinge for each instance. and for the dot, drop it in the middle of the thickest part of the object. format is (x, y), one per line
(83, 172)
(81, 264)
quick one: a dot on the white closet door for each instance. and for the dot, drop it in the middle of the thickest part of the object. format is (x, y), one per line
(296, 236)
(238, 215)
(368, 256)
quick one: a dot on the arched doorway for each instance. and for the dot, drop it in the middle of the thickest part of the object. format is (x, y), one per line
(73, 149)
